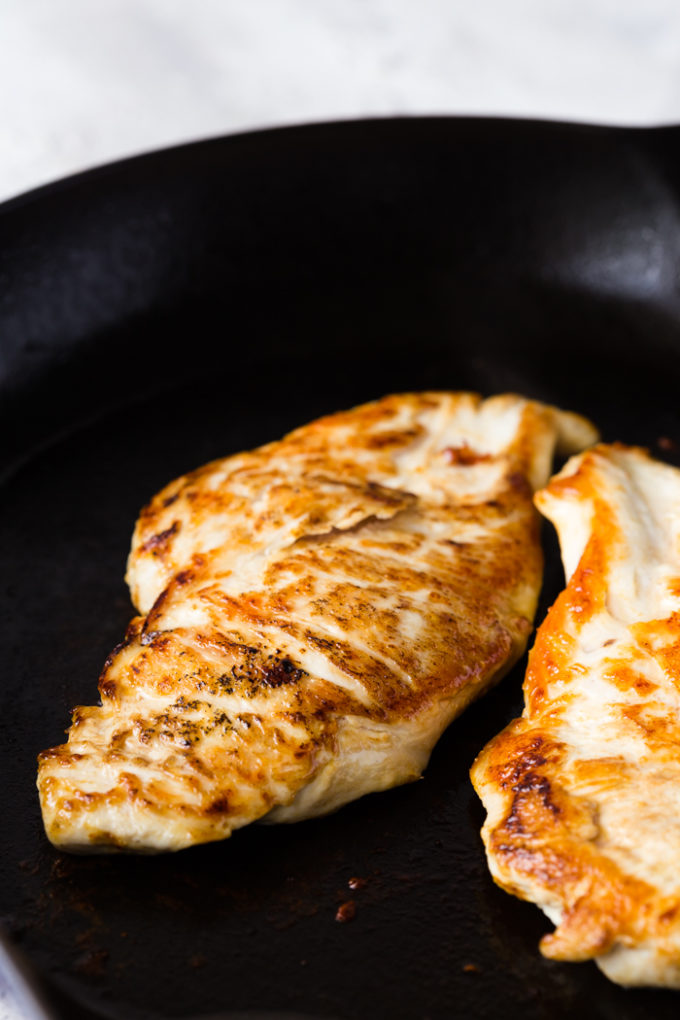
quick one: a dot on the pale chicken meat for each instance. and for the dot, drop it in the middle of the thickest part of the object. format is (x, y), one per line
(312, 615)
(583, 792)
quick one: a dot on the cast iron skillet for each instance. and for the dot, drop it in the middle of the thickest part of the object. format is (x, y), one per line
(181, 306)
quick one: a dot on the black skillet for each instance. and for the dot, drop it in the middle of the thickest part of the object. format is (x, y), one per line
(181, 306)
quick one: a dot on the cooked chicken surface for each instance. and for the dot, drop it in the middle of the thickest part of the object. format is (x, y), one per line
(583, 792)
(312, 615)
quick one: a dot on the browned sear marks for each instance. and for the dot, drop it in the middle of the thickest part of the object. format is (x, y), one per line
(312, 615)
(583, 791)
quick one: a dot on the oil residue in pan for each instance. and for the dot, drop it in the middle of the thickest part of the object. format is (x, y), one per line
(254, 922)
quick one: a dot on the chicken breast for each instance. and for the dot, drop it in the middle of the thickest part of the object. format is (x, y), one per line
(312, 615)
(583, 792)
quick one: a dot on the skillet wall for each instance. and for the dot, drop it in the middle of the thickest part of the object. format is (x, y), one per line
(291, 258)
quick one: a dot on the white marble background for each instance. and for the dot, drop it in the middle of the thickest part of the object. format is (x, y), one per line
(87, 81)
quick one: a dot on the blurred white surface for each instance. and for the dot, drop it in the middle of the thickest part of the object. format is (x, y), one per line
(83, 82)
(86, 82)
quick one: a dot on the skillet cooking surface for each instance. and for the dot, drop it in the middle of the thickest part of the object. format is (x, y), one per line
(184, 305)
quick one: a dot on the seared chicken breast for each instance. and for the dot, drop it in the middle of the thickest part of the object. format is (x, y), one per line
(312, 615)
(583, 792)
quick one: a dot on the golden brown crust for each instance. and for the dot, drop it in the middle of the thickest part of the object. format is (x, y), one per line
(582, 791)
(314, 613)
